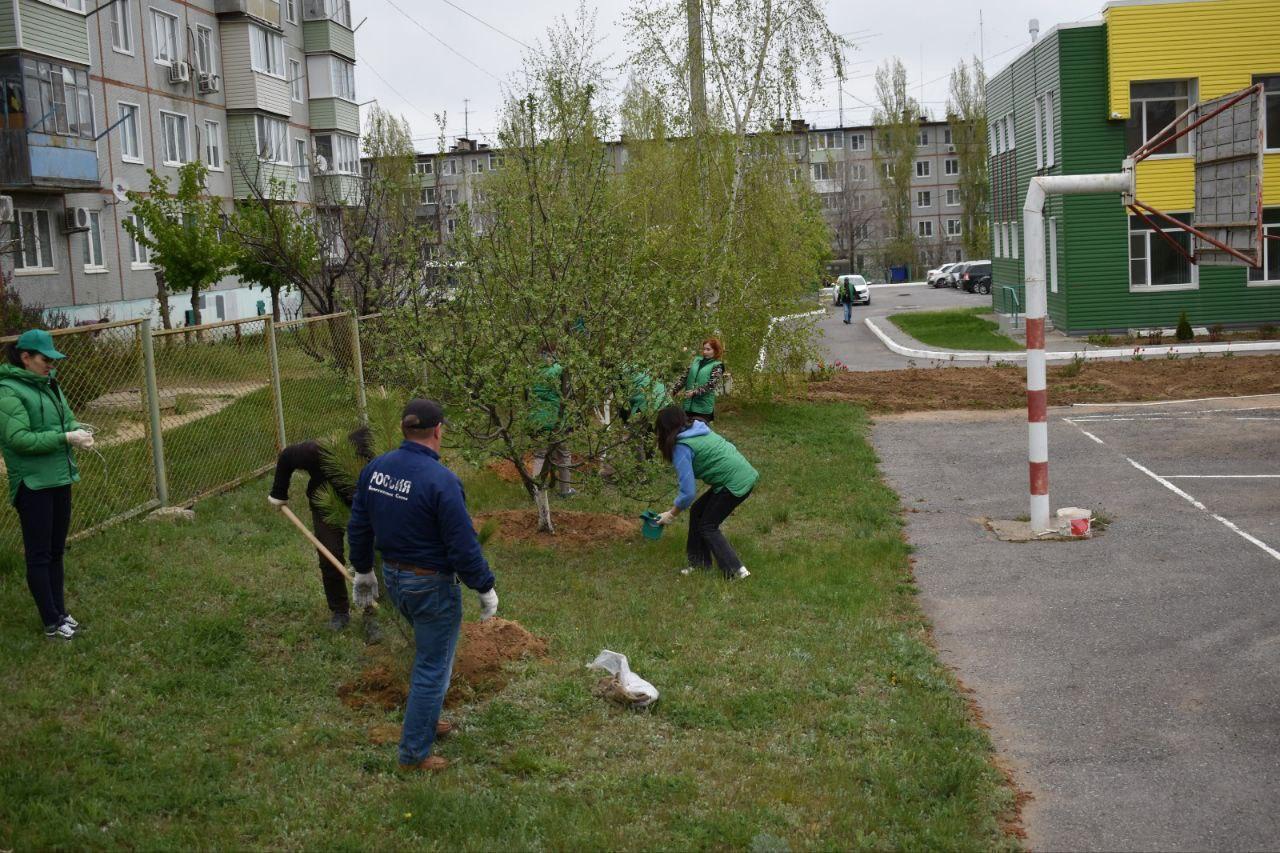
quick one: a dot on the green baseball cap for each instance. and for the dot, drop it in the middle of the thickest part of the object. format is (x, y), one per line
(38, 340)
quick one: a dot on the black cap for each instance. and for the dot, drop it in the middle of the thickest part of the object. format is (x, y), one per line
(422, 414)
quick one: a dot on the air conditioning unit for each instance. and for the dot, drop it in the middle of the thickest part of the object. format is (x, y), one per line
(209, 83)
(6, 208)
(951, 149)
(180, 72)
(75, 219)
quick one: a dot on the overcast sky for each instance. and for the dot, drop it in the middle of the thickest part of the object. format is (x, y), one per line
(422, 57)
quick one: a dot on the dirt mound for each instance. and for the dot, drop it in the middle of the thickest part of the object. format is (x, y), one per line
(572, 528)
(483, 649)
(506, 469)
(919, 389)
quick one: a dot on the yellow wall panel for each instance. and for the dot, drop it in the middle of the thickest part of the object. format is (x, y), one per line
(1167, 185)
(1221, 43)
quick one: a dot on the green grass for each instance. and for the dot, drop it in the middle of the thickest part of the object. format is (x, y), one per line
(960, 328)
(801, 709)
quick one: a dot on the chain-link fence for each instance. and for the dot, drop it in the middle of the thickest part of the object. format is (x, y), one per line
(224, 398)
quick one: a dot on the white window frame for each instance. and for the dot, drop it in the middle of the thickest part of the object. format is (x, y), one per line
(857, 171)
(139, 255)
(73, 5)
(1050, 154)
(946, 136)
(477, 165)
(924, 198)
(924, 228)
(450, 197)
(1269, 93)
(1151, 239)
(428, 195)
(213, 146)
(1270, 250)
(951, 166)
(93, 251)
(820, 171)
(43, 265)
(291, 10)
(296, 77)
(450, 166)
(953, 194)
(164, 137)
(857, 142)
(342, 79)
(125, 156)
(266, 52)
(1187, 140)
(208, 63)
(922, 137)
(1010, 134)
(301, 160)
(1013, 240)
(1038, 130)
(1053, 254)
(953, 227)
(170, 38)
(924, 169)
(424, 167)
(120, 22)
(277, 132)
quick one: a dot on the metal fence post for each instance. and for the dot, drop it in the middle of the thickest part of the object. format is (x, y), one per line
(357, 362)
(275, 384)
(153, 411)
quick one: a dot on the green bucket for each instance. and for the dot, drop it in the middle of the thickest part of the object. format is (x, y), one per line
(650, 528)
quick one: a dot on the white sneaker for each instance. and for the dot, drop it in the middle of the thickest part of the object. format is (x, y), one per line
(741, 574)
(62, 631)
(69, 620)
(688, 570)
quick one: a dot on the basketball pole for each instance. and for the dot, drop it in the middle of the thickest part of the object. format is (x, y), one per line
(1040, 189)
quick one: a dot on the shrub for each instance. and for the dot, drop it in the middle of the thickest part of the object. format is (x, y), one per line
(1073, 368)
(1184, 331)
(1216, 332)
(1155, 336)
(1101, 340)
(15, 316)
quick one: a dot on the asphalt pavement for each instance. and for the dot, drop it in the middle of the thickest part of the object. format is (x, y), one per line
(1132, 681)
(859, 349)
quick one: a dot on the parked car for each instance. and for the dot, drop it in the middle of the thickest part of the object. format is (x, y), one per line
(938, 277)
(953, 275)
(971, 281)
(861, 291)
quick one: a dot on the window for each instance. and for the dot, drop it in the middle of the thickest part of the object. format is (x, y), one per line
(204, 50)
(495, 160)
(1050, 130)
(58, 99)
(266, 51)
(167, 49)
(993, 137)
(93, 242)
(946, 136)
(450, 167)
(795, 144)
(1010, 141)
(343, 75)
(1152, 261)
(793, 175)
(213, 145)
(997, 237)
(857, 171)
(139, 255)
(34, 249)
(923, 168)
(825, 140)
(1053, 255)
(1013, 239)
(74, 5)
(327, 10)
(1042, 114)
(821, 171)
(450, 196)
(887, 169)
(1153, 107)
(291, 11)
(173, 133)
(295, 81)
(1271, 109)
(428, 195)
(953, 198)
(922, 138)
(121, 26)
(1270, 269)
(857, 142)
(340, 152)
(451, 225)
(924, 198)
(424, 167)
(130, 149)
(953, 227)
(925, 227)
(477, 165)
(951, 166)
(273, 139)
(301, 167)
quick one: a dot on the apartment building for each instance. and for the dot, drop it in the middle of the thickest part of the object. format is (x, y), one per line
(261, 91)
(837, 162)
(1079, 101)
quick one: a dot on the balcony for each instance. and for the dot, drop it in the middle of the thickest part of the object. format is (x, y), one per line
(267, 11)
(47, 138)
(333, 189)
(328, 36)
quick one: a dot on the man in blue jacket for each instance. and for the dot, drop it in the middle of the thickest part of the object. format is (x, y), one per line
(413, 509)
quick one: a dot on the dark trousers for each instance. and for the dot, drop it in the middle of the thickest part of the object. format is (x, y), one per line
(335, 585)
(705, 539)
(46, 517)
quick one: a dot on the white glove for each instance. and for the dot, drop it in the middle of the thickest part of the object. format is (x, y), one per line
(667, 517)
(364, 589)
(488, 604)
(81, 438)
(276, 502)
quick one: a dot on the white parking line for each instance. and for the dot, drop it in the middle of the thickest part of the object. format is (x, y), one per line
(1222, 476)
(1172, 402)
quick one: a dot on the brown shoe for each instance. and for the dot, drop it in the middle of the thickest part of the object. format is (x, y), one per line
(443, 728)
(430, 763)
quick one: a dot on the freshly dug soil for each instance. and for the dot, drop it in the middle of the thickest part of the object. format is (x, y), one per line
(506, 471)
(483, 649)
(919, 389)
(573, 529)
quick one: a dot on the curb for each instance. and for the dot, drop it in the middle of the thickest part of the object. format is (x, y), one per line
(1086, 355)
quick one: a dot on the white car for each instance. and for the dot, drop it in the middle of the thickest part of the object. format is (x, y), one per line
(938, 277)
(861, 291)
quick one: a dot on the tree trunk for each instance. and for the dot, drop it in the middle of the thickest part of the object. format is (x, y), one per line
(162, 294)
(542, 499)
(275, 304)
(195, 311)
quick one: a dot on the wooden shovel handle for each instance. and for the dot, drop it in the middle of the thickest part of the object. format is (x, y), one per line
(306, 531)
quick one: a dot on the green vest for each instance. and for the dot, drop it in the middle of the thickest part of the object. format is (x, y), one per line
(647, 395)
(718, 463)
(544, 413)
(34, 420)
(700, 374)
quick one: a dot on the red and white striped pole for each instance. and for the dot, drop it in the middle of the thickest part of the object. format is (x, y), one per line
(1036, 310)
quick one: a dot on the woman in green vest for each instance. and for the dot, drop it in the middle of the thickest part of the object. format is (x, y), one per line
(699, 454)
(701, 381)
(37, 432)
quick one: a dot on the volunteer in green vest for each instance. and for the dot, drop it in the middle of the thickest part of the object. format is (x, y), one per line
(701, 381)
(546, 415)
(699, 454)
(37, 433)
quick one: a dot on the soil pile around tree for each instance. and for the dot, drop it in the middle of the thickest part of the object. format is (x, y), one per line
(573, 529)
(923, 389)
(478, 669)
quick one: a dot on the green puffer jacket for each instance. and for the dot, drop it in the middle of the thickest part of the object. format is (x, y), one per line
(34, 421)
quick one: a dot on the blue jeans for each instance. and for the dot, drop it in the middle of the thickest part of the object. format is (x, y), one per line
(433, 603)
(848, 311)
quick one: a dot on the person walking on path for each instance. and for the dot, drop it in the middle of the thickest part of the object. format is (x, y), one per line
(414, 510)
(697, 453)
(37, 434)
(546, 415)
(311, 456)
(844, 296)
(701, 381)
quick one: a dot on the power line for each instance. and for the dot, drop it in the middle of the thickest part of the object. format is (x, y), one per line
(487, 24)
(443, 43)
(393, 89)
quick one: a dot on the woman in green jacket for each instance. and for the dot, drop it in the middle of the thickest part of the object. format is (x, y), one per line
(37, 433)
(701, 380)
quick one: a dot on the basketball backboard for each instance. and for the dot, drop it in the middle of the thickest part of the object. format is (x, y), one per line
(1228, 149)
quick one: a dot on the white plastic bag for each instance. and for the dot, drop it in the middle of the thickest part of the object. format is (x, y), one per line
(631, 688)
